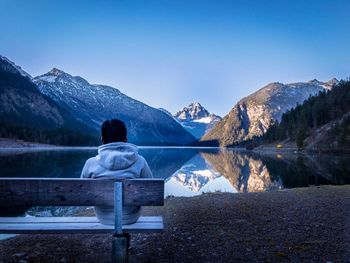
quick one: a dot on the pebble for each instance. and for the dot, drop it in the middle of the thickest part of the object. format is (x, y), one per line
(20, 254)
(262, 227)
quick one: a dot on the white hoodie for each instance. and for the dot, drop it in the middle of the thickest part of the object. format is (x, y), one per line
(117, 160)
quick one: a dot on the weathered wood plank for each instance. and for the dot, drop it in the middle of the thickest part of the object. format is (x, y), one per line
(120, 249)
(78, 192)
(58, 219)
(144, 227)
(53, 220)
(59, 228)
(118, 208)
(143, 192)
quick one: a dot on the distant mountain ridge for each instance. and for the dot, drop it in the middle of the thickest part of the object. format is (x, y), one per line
(11, 67)
(18, 95)
(252, 115)
(196, 119)
(92, 104)
(57, 100)
(26, 113)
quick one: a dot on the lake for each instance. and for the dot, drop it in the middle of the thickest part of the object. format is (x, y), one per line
(193, 171)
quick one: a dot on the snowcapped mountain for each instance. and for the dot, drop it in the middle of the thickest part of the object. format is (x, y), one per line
(245, 172)
(21, 102)
(252, 115)
(10, 67)
(92, 104)
(195, 177)
(224, 171)
(26, 113)
(195, 173)
(194, 111)
(196, 119)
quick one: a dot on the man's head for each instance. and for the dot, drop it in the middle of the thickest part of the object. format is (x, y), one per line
(113, 131)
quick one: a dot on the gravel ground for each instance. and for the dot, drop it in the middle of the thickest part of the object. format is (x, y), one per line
(298, 225)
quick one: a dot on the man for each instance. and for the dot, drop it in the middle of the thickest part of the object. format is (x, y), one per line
(116, 159)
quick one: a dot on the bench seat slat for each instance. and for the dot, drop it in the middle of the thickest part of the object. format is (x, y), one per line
(80, 219)
(79, 192)
(156, 225)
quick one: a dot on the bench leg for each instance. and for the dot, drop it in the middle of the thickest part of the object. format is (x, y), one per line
(120, 248)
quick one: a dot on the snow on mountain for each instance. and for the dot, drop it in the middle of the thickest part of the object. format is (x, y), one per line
(12, 67)
(174, 187)
(195, 173)
(195, 177)
(193, 111)
(252, 115)
(21, 103)
(24, 107)
(222, 171)
(196, 119)
(92, 104)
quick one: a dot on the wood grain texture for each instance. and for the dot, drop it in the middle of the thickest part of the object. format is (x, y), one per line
(73, 225)
(68, 219)
(79, 192)
(118, 208)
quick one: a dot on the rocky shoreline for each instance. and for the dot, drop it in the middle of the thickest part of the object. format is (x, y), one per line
(14, 143)
(297, 225)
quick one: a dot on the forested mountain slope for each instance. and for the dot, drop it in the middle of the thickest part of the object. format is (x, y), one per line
(322, 122)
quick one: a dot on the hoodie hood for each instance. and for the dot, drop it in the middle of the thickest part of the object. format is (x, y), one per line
(117, 155)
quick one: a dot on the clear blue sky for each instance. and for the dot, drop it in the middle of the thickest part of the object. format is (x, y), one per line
(170, 53)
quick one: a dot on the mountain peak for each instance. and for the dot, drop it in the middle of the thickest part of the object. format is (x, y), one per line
(252, 115)
(332, 82)
(193, 111)
(314, 81)
(195, 104)
(196, 119)
(56, 72)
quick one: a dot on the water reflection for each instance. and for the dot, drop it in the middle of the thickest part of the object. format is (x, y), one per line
(164, 162)
(246, 172)
(69, 163)
(195, 177)
(52, 164)
(193, 171)
(228, 170)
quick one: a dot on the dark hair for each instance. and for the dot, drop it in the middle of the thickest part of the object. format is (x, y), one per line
(113, 131)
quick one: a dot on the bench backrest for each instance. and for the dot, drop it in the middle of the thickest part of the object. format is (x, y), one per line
(79, 192)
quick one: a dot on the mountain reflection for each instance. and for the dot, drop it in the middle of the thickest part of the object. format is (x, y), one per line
(195, 177)
(196, 174)
(246, 173)
(164, 162)
(227, 170)
(223, 171)
(189, 171)
(192, 171)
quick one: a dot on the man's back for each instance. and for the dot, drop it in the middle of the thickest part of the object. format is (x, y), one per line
(117, 160)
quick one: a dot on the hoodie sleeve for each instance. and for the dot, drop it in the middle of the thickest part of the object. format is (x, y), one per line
(146, 171)
(85, 173)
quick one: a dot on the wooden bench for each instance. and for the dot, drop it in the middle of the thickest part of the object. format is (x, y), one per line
(82, 192)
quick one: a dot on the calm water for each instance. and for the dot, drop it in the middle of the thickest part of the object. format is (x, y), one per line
(189, 171)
